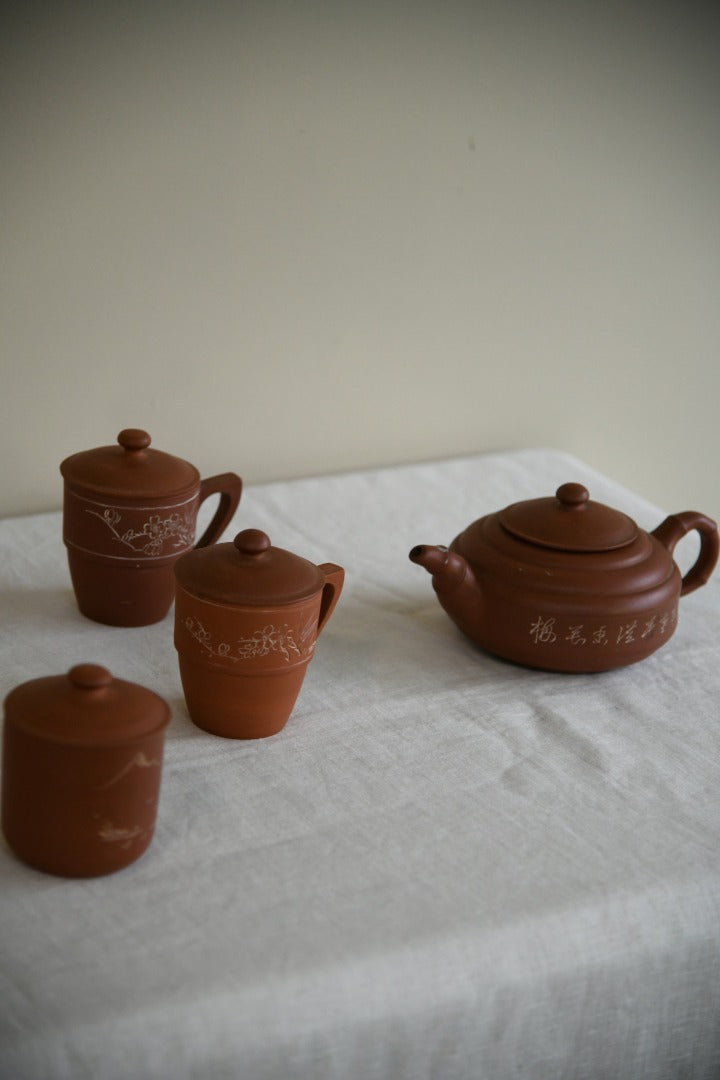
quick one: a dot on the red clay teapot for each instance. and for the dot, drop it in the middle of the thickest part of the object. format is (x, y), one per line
(129, 512)
(567, 584)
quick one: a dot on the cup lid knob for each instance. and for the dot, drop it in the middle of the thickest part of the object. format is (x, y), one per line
(134, 439)
(89, 676)
(252, 542)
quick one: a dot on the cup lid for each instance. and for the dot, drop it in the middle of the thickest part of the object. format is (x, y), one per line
(130, 468)
(86, 707)
(248, 571)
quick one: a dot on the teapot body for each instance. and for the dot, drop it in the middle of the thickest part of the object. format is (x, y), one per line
(555, 613)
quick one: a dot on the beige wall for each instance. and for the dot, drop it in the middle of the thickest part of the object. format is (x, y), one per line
(292, 238)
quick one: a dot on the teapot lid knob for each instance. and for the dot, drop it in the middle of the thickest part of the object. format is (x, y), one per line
(134, 439)
(252, 542)
(572, 494)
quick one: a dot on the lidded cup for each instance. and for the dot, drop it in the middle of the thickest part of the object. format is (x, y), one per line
(82, 759)
(129, 512)
(247, 617)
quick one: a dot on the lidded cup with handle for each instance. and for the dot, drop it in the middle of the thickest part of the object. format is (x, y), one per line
(247, 617)
(129, 512)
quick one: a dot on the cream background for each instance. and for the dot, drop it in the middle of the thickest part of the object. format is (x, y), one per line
(296, 238)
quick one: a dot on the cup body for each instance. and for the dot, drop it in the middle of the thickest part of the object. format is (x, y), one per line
(79, 811)
(242, 667)
(121, 553)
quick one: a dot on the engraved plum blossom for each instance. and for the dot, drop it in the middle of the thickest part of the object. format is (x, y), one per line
(271, 639)
(196, 629)
(155, 532)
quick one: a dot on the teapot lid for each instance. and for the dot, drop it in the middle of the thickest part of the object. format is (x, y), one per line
(569, 522)
(130, 468)
(248, 571)
(86, 707)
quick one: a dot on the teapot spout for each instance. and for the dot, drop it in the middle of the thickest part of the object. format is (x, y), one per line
(455, 585)
(448, 569)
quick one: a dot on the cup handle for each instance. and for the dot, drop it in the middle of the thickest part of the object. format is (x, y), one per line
(229, 486)
(674, 528)
(334, 578)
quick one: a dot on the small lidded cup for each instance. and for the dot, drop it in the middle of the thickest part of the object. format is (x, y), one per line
(129, 512)
(247, 617)
(82, 759)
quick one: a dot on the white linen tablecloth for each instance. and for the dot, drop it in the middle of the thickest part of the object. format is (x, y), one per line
(444, 867)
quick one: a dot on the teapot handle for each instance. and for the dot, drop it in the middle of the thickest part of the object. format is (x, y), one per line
(674, 528)
(334, 578)
(229, 487)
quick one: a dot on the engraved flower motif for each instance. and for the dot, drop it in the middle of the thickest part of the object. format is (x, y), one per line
(269, 639)
(155, 532)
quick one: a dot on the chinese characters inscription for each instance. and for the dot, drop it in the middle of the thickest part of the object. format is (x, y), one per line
(547, 629)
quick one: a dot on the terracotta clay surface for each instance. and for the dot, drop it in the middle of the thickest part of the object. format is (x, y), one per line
(567, 584)
(82, 758)
(247, 617)
(129, 513)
